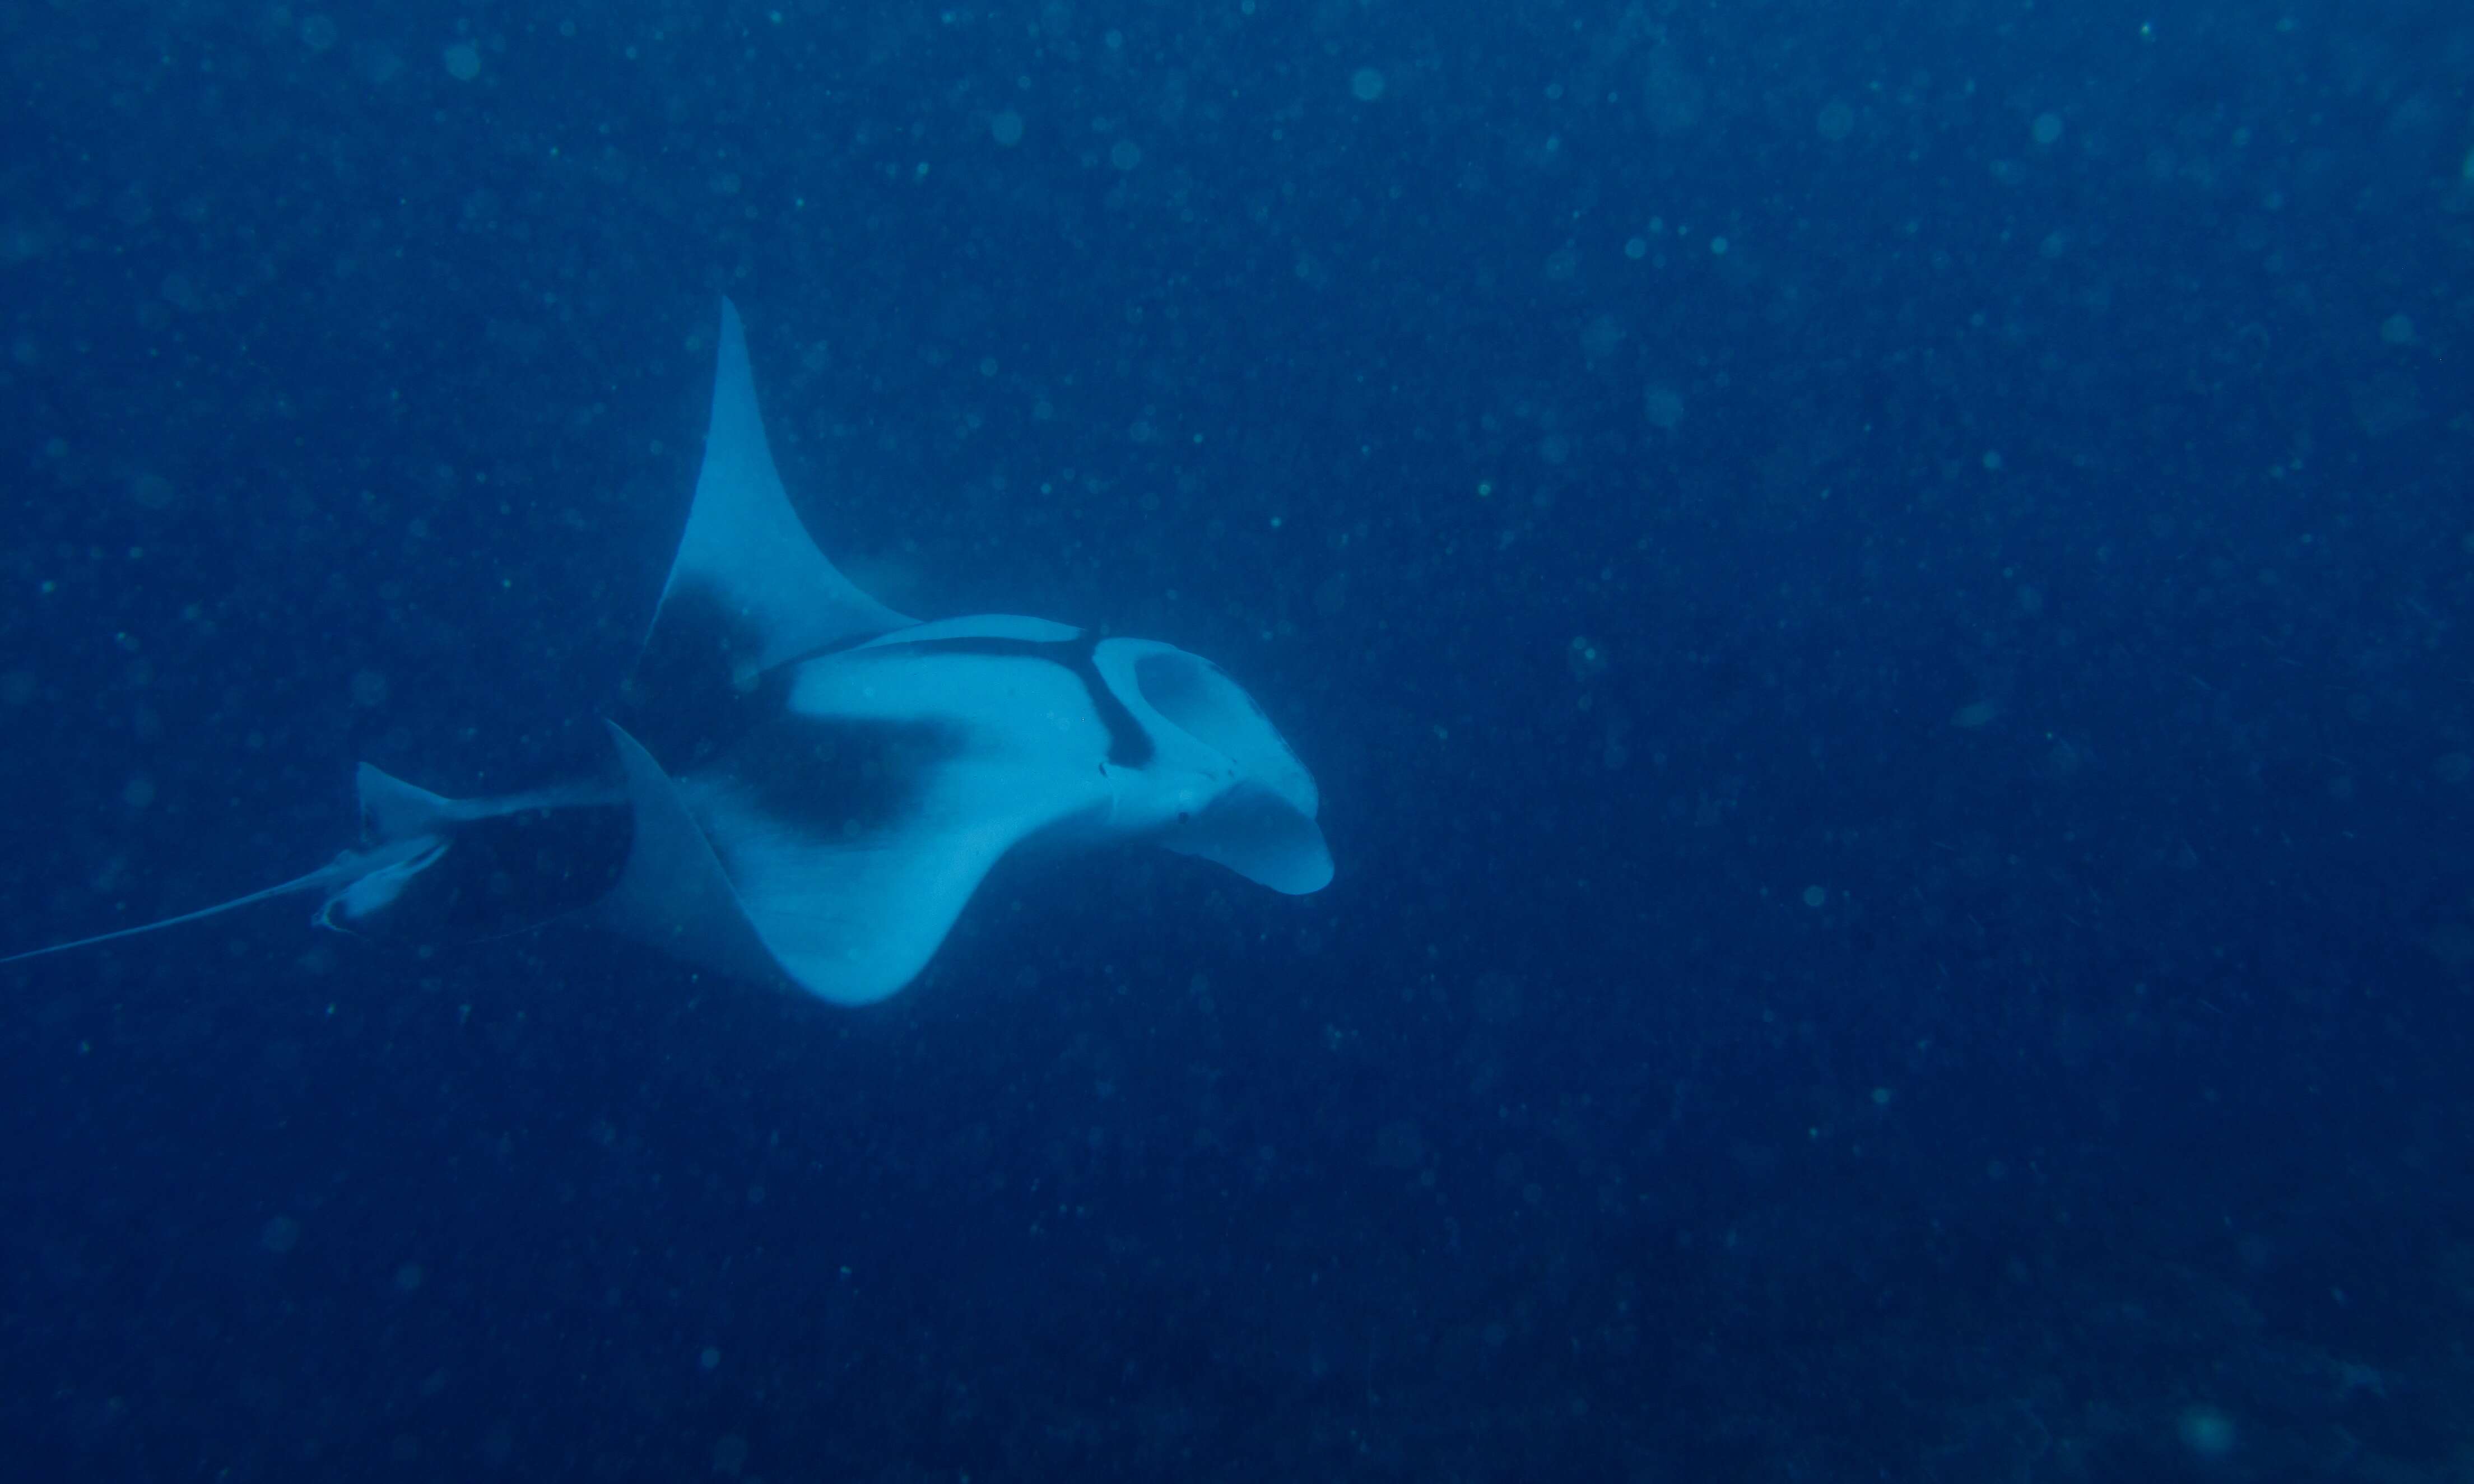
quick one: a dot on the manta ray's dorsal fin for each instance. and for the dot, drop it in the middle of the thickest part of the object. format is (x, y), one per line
(392, 809)
(749, 589)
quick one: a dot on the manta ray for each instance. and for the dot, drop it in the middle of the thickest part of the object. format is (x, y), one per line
(805, 787)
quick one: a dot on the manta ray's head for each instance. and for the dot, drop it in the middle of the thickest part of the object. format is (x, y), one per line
(1221, 783)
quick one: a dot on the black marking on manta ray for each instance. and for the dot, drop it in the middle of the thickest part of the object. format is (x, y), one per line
(683, 700)
(505, 873)
(839, 778)
(687, 704)
(1129, 745)
(688, 700)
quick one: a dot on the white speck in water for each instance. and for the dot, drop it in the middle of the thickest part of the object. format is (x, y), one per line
(2207, 1432)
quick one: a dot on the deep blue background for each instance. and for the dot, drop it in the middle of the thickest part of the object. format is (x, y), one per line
(2059, 570)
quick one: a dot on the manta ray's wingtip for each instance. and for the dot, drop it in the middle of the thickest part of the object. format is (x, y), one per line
(748, 588)
(731, 335)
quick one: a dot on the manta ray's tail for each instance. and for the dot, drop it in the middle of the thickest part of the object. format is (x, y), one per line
(432, 868)
(325, 877)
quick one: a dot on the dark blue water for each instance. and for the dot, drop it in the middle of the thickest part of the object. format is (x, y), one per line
(1878, 594)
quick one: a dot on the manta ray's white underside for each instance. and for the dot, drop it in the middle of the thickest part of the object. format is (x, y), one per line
(813, 784)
